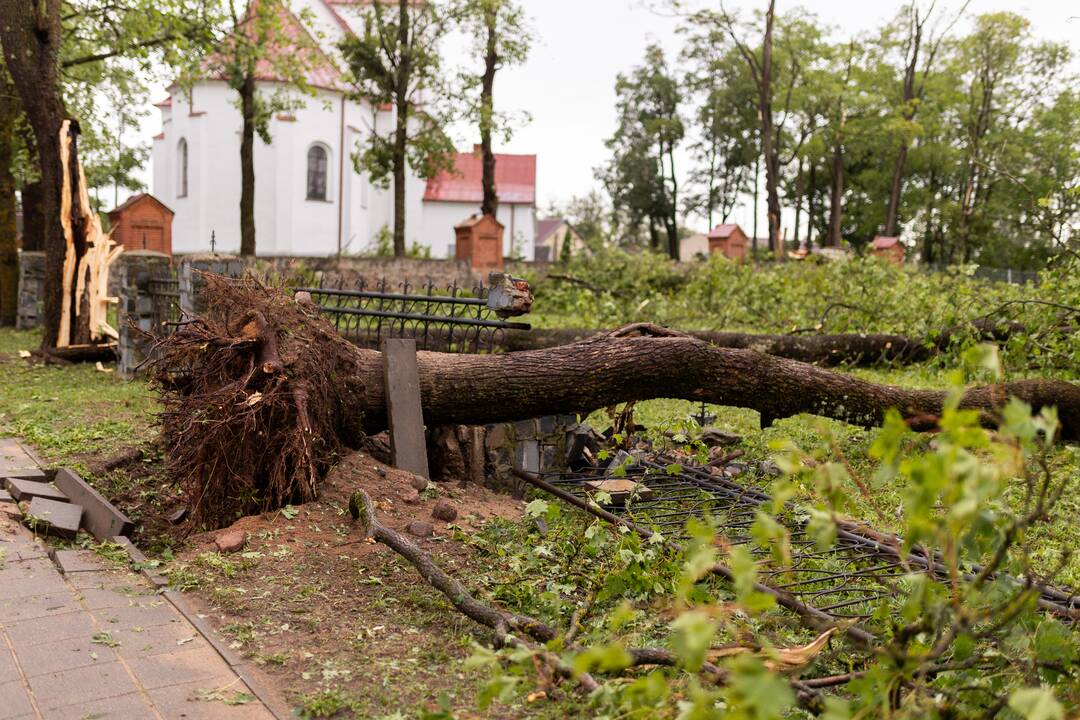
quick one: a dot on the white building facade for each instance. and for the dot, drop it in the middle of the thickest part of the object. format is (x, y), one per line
(309, 199)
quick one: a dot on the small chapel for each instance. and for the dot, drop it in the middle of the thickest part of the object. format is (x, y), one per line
(309, 198)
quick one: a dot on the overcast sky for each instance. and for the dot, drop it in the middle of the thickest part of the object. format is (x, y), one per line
(567, 85)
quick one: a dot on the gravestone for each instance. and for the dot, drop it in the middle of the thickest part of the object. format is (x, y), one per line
(408, 447)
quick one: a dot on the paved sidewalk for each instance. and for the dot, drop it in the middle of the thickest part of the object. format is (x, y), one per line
(101, 642)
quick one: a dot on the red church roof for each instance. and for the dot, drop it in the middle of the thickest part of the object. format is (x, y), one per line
(515, 180)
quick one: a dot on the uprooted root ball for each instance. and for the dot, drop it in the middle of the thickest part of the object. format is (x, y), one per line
(253, 394)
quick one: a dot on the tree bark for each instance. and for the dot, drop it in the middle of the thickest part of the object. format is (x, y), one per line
(247, 166)
(401, 127)
(490, 203)
(836, 206)
(606, 370)
(9, 254)
(769, 149)
(862, 349)
(30, 34)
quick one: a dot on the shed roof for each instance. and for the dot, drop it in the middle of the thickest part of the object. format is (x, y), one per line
(475, 219)
(136, 199)
(515, 180)
(724, 230)
(882, 242)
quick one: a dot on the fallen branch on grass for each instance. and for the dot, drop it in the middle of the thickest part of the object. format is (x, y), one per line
(510, 628)
(260, 395)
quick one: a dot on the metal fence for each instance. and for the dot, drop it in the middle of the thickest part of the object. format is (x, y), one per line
(163, 291)
(450, 319)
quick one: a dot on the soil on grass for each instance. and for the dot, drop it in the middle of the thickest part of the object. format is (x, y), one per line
(344, 626)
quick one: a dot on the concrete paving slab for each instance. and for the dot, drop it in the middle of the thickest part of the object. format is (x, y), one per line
(25, 490)
(51, 517)
(104, 580)
(29, 578)
(5, 497)
(183, 701)
(121, 707)
(14, 700)
(145, 615)
(187, 666)
(67, 654)
(39, 631)
(100, 517)
(171, 638)
(37, 606)
(8, 669)
(72, 561)
(98, 598)
(81, 685)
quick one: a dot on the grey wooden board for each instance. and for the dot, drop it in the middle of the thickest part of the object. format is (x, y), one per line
(22, 490)
(54, 518)
(100, 518)
(408, 447)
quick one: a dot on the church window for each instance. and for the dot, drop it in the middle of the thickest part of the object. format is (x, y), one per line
(317, 172)
(181, 168)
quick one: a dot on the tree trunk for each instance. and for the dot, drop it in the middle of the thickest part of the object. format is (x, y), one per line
(864, 349)
(401, 127)
(9, 254)
(247, 166)
(30, 34)
(799, 191)
(836, 207)
(811, 207)
(769, 143)
(896, 188)
(757, 184)
(490, 203)
(671, 219)
(229, 396)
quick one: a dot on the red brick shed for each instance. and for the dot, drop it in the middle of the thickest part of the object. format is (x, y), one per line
(143, 223)
(729, 239)
(889, 248)
(480, 241)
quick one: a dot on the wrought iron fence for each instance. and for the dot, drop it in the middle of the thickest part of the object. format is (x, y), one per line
(163, 292)
(451, 319)
(847, 581)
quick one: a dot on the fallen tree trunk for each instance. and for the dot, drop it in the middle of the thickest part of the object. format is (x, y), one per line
(825, 349)
(259, 397)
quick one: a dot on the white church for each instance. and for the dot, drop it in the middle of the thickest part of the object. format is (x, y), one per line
(309, 199)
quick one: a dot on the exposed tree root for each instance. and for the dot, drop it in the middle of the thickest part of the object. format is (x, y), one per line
(262, 393)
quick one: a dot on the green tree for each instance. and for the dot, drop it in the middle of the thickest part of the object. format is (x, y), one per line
(724, 121)
(10, 110)
(264, 41)
(640, 177)
(501, 37)
(396, 61)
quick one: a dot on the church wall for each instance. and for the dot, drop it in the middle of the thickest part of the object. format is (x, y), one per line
(441, 217)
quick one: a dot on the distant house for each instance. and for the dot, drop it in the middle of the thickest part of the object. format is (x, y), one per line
(889, 248)
(695, 247)
(142, 222)
(729, 239)
(552, 236)
(452, 197)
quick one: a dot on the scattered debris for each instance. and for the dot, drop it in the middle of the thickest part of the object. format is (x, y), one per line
(419, 528)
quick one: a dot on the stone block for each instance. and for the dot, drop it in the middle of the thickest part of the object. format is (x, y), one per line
(73, 561)
(73, 687)
(100, 518)
(5, 497)
(54, 518)
(408, 445)
(25, 490)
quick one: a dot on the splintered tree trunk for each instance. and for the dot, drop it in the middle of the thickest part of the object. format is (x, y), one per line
(490, 202)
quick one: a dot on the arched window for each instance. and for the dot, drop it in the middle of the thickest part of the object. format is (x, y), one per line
(317, 172)
(181, 168)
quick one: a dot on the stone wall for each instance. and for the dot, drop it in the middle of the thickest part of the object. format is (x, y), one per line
(31, 309)
(191, 273)
(137, 314)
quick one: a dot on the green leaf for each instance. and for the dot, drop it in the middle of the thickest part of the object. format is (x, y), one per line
(1036, 704)
(537, 508)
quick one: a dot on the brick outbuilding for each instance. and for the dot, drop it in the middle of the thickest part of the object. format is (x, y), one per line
(728, 239)
(143, 223)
